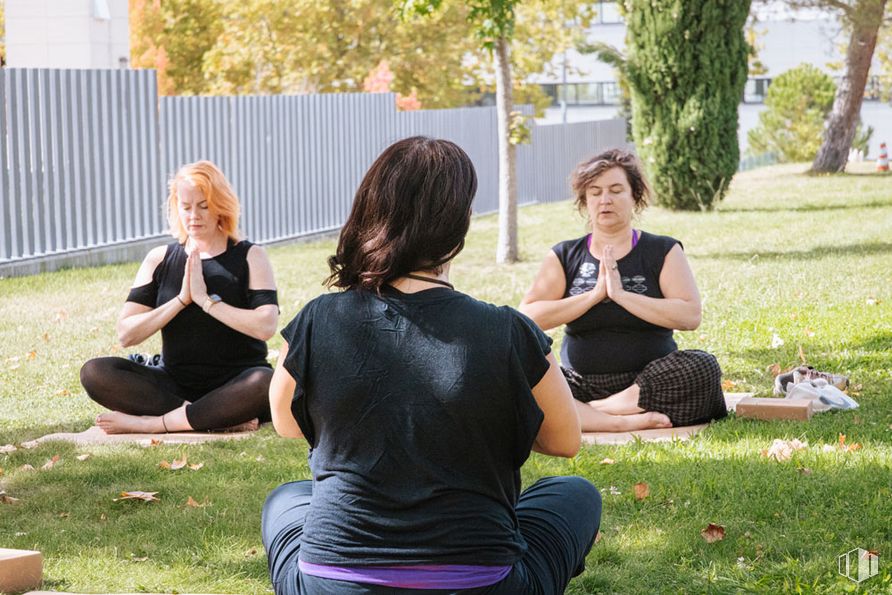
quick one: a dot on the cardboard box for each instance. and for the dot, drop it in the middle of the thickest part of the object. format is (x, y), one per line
(770, 409)
(20, 570)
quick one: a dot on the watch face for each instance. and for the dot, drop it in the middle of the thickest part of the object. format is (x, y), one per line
(215, 298)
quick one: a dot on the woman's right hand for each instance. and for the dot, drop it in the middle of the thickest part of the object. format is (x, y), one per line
(185, 294)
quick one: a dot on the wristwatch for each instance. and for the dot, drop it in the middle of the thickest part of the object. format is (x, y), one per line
(210, 301)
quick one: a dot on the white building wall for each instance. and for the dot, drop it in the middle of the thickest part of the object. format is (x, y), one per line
(783, 43)
(67, 33)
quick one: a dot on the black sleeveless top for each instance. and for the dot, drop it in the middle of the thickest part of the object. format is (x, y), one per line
(199, 352)
(607, 338)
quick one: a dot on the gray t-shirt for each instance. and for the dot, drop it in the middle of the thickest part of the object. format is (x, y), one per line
(419, 412)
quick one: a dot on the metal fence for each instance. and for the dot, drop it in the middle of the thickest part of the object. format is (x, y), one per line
(84, 155)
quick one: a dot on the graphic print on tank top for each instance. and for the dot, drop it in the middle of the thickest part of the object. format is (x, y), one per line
(587, 277)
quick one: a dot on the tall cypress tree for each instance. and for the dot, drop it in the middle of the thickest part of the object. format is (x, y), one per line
(687, 65)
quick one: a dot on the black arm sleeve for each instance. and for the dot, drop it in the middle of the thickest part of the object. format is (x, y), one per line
(144, 294)
(262, 297)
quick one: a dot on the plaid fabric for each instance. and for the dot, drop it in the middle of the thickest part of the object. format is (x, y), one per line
(684, 385)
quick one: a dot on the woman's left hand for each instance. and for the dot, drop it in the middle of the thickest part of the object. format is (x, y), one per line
(197, 286)
(614, 281)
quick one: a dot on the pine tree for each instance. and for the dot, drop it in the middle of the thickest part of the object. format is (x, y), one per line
(687, 65)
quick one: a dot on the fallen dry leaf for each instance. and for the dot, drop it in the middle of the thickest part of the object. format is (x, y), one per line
(774, 369)
(607, 461)
(5, 499)
(853, 446)
(196, 466)
(145, 496)
(64, 515)
(642, 491)
(251, 552)
(26, 467)
(713, 533)
(62, 392)
(83, 457)
(805, 471)
(782, 450)
(598, 536)
(7, 448)
(102, 517)
(51, 463)
(31, 355)
(178, 463)
(802, 357)
(190, 501)
(30, 444)
(46, 337)
(141, 559)
(728, 385)
(164, 465)
(149, 442)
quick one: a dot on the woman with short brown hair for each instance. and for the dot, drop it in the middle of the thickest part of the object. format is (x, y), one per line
(621, 292)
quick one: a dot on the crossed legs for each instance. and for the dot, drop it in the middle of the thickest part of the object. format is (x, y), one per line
(146, 400)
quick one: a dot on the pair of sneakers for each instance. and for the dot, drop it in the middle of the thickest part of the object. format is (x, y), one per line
(823, 395)
(784, 382)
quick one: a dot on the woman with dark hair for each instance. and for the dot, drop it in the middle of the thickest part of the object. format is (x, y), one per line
(621, 292)
(212, 296)
(420, 405)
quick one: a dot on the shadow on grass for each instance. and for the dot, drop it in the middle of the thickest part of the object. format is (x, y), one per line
(802, 256)
(808, 208)
(772, 513)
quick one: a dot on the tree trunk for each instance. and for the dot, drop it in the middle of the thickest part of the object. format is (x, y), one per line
(506, 251)
(840, 129)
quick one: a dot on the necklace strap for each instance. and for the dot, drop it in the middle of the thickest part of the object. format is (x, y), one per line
(430, 280)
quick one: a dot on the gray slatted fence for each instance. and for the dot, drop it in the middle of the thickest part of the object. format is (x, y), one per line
(84, 155)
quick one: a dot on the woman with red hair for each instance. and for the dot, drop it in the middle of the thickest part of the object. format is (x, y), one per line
(213, 297)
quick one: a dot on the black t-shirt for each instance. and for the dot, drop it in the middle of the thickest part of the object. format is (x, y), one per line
(419, 411)
(608, 338)
(200, 352)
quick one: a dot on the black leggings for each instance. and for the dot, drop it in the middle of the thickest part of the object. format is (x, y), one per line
(558, 517)
(122, 385)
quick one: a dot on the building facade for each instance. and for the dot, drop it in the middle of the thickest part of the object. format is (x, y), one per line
(583, 88)
(67, 34)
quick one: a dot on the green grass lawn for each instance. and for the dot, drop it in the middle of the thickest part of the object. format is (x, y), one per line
(806, 259)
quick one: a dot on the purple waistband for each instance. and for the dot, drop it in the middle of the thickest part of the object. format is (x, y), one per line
(437, 576)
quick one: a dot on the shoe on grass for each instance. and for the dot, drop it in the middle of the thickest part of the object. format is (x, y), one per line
(783, 382)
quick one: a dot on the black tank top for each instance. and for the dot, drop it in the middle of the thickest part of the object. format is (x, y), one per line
(608, 338)
(199, 352)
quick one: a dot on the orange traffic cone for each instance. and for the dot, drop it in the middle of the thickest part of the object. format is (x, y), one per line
(883, 161)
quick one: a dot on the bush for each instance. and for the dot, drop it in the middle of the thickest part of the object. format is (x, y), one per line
(792, 125)
(687, 65)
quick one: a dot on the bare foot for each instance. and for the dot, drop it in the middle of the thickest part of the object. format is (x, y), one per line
(115, 422)
(247, 426)
(645, 421)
